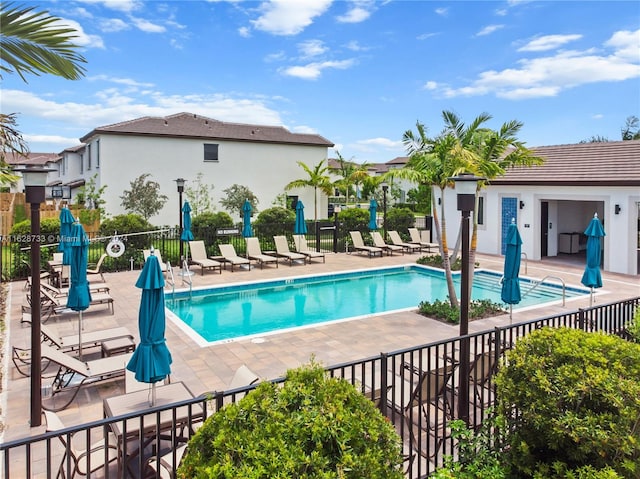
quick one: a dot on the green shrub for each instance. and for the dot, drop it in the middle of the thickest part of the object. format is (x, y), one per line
(353, 219)
(400, 220)
(572, 399)
(634, 327)
(273, 222)
(311, 427)
(125, 224)
(478, 308)
(205, 225)
(49, 233)
(436, 262)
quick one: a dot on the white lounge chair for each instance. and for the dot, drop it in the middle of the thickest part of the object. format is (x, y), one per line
(302, 247)
(96, 268)
(64, 292)
(407, 247)
(156, 252)
(379, 241)
(60, 303)
(255, 253)
(359, 246)
(417, 239)
(243, 377)
(199, 257)
(282, 250)
(230, 256)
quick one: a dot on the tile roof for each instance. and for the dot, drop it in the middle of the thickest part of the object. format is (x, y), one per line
(188, 125)
(32, 158)
(615, 163)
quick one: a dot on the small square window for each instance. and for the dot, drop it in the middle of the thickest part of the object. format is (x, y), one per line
(210, 152)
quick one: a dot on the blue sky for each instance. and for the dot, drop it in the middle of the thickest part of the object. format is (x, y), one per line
(359, 73)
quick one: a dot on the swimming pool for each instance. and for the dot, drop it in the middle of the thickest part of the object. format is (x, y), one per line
(253, 309)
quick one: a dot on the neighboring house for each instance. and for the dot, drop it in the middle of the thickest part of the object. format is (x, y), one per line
(262, 158)
(553, 203)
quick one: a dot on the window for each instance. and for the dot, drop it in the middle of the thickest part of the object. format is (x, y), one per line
(97, 154)
(88, 157)
(82, 163)
(480, 210)
(210, 152)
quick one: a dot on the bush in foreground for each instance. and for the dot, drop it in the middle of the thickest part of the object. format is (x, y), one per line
(311, 427)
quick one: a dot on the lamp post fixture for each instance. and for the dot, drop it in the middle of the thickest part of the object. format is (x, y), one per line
(35, 180)
(180, 182)
(385, 187)
(466, 185)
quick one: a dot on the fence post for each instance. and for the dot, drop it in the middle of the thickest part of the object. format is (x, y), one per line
(317, 236)
(383, 384)
(581, 322)
(335, 233)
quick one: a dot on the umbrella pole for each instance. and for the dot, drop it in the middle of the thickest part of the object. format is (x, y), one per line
(153, 394)
(510, 313)
(80, 334)
(591, 297)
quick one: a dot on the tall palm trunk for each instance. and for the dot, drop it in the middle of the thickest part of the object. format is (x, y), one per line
(441, 229)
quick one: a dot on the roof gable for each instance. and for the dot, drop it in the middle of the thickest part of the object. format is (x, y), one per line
(188, 125)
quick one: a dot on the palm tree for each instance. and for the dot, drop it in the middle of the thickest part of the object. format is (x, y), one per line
(352, 174)
(317, 179)
(32, 43)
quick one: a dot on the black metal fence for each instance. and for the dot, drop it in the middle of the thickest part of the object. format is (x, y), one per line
(414, 387)
(15, 259)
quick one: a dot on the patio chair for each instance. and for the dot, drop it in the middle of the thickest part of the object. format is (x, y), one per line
(199, 257)
(425, 239)
(156, 252)
(60, 303)
(98, 265)
(82, 461)
(407, 247)
(378, 241)
(91, 339)
(417, 239)
(243, 377)
(481, 370)
(359, 246)
(230, 256)
(64, 292)
(73, 374)
(255, 253)
(166, 464)
(43, 274)
(300, 243)
(282, 250)
(428, 409)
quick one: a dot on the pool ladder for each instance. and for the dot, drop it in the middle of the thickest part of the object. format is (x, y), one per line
(185, 279)
(538, 283)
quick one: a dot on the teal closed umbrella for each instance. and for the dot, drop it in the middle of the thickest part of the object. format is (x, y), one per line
(186, 234)
(64, 246)
(247, 232)
(373, 214)
(151, 360)
(510, 281)
(300, 227)
(79, 295)
(592, 278)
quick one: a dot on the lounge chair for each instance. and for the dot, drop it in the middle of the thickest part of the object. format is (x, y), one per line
(167, 464)
(59, 304)
(74, 374)
(428, 408)
(98, 265)
(64, 292)
(89, 339)
(300, 243)
(199, 257)
(230, 256)
(378, 241)
(81, 461)
(243, 377)
(407, 247)
(43, 274)
(282, 250)
(481, 371)
(359, 246)
(156, 252)
(417, 239)
(255, 253)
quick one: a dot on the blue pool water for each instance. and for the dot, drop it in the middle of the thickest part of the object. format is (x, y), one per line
(229, 312)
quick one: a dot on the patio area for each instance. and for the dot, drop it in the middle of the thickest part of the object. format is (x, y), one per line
(211, 368)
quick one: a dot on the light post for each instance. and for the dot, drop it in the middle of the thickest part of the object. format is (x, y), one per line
(180, 182)
(385, 187)
(466, 185)
(35, 180)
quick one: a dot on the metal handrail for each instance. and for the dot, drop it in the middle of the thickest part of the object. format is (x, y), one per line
(186, 275)
(538, 283)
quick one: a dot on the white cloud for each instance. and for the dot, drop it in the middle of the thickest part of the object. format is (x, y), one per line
(597, 116)
(442, 11)
(63, 141)
(126, 6)
(311, 48)
(120, 81)
(275, 57)
(113, 25)
(548, 42)
(548, 76)
(80, 37)
(501, 12)
(424, 36)
(489, 29)
(354, 46)
(379, 143)
(244, 32)
(431, 85)
(304, 129)
(147, 26)
(289, 17)
(358, 12)
(313, 71)
(112, 106)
